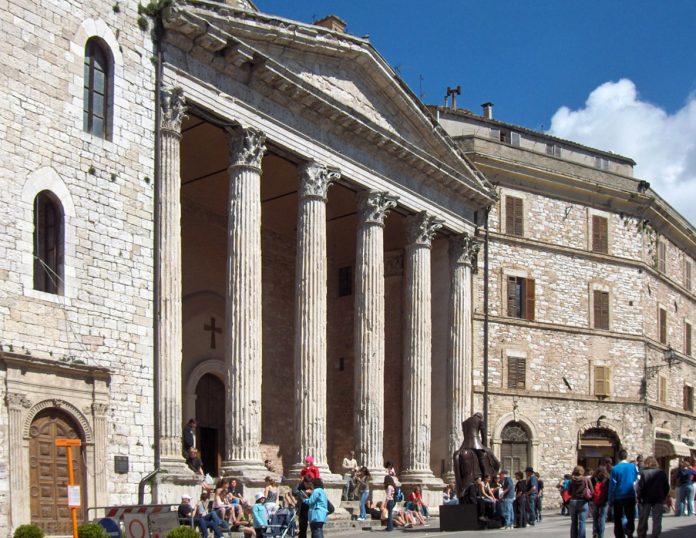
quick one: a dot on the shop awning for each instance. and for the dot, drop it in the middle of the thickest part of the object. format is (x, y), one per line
(668, 448)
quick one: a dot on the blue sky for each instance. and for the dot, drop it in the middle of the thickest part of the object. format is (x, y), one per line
(582, 63)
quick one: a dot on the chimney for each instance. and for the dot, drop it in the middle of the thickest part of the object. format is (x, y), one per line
(332, 22)
(487, 110)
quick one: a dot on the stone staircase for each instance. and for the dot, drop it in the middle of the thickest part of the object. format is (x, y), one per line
(345, 518)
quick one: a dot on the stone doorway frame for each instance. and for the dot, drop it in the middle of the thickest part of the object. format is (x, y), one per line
(497, 439)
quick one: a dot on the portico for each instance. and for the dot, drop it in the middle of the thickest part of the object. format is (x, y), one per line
(291, 200)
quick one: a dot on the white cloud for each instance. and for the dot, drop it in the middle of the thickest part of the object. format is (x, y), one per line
(663, 145)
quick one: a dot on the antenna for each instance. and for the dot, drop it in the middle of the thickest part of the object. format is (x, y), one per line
(420, 87)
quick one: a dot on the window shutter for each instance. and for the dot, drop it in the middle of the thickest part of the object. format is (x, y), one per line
(601, 381)
(687, 275)
(512, 296)
(509, 214)
(529, 299)
(519, 217)
(663, 326)
(517, 372)
(661, 257)
(601, 309)
(662, 390)
(687, 338)
(515, 139)
(599, 234)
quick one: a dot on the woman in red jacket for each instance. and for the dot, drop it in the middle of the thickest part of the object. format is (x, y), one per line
(309, 469)
(600, 483)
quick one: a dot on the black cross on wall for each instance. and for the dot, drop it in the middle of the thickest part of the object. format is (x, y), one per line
(213, 329)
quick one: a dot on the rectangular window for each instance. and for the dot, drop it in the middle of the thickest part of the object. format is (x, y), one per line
(601, 309)
(520, 298)
(687, 338)
(600, 242)
(554, 150)
(687, 275)
(688, 398)
(662, 390)
(345, 281)
(601, 380)
(514, 215)
(662, 257)
(517, 372)
(663, 326)
(602, 163)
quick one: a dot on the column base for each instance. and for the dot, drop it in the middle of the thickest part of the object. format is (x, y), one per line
(172, 481)
(250, 473)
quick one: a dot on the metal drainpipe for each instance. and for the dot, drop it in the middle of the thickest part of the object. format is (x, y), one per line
(485, 324)
(157, 34)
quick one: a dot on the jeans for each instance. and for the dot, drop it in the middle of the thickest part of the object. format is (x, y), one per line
(539, 506)
(645, 511)
(578, 516)
(390, 515)
(599, 519)
(317, 529)
(363, 499)
(505, 507)
(214, 522)
(685, 504)
(531, 508)
(624, 507)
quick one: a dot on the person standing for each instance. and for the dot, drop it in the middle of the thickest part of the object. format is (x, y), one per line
(579, 501)
(350, 468)
(301, 492)
(318, 507)
(507, 496)
(622, 495)
(189, 437)
(309, 469)
(390, 489)
(363, 486)
(540, 497)
(685, 489)
(652, 491)
(600, 483)
(531, 492)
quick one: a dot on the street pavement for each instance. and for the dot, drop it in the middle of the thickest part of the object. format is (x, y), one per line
(552, 526)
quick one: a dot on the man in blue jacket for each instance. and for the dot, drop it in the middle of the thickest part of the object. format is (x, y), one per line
(622, 495)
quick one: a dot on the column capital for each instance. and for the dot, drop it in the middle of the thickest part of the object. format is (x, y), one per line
(16, 400)
(464, 249)
(315, 180)
(247, 146)
(173, 104)
(373, 206)
(420, 229)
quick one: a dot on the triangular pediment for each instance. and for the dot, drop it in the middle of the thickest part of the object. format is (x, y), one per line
(342, 76)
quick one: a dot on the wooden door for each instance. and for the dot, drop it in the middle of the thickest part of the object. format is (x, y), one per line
(210, 414)
(48, 472)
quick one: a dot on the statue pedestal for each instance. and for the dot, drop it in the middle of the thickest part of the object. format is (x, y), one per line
(459, 517)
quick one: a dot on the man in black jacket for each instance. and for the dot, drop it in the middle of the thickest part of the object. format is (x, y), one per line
(653, 488)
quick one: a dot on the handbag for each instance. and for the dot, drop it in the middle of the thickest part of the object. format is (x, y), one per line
(587, 492)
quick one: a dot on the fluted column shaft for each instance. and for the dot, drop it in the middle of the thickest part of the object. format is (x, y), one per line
(369, 328)
(169, 317)
(243, 301)
(463, 250)
(99, 411)
(17, 406)
(417, 347)
(310, 313)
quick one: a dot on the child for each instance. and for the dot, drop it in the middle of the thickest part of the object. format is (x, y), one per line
(259, 515)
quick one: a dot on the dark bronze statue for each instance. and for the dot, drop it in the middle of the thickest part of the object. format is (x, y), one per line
(473, 459)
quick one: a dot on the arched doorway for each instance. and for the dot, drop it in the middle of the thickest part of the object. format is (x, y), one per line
(48, 471)
(596, 444)
(210, 414)
(514, 447)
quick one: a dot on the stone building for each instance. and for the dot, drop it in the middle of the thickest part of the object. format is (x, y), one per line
(213, 212)
(591, 303)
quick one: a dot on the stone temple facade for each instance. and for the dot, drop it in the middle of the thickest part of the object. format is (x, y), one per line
(213, 212)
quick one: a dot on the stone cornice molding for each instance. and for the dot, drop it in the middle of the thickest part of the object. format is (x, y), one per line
(173, 104)
(373, 207)
(247, 147)
(315, 180)
(464, 249)
(421, 228)
(230, 55)
(37, 364)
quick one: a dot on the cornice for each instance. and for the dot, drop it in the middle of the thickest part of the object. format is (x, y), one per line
(230, 55)
(36, 364)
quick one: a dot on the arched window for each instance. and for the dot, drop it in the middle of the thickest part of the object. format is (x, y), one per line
(97, 88)
(48, 243)
(514, 451)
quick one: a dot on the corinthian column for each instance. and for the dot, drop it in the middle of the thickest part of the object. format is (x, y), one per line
(463, 251)
(310, 315)
(169, 325)
(369, 328)
(243, 306)
(417, 349)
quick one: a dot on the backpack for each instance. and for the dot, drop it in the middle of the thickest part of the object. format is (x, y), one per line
(330, 507)
(398, 495)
